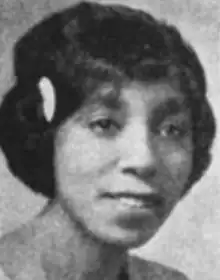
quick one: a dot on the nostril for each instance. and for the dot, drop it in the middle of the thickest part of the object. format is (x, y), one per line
(140, 172)
(130, 170)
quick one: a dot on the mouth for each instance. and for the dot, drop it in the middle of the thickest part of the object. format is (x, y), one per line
(134, 200)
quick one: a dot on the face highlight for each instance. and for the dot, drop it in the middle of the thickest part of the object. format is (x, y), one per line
(122, 163)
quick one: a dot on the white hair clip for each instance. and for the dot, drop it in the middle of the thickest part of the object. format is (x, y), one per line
(48, 95)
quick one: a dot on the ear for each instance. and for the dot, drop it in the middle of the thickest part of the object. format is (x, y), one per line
(47, 92)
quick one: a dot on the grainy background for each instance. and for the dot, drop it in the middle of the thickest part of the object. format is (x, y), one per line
(190, 240)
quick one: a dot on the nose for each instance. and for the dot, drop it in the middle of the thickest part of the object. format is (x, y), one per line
(137, 152)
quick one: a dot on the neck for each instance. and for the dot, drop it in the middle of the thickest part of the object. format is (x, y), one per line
(73, 252)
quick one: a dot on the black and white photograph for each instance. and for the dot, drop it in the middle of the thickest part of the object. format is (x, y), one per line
(109, 149)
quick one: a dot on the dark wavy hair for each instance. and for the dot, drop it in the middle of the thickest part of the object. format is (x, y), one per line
(79, 48)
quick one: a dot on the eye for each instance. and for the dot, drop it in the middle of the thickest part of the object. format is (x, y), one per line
(104, 126)
(174, 130)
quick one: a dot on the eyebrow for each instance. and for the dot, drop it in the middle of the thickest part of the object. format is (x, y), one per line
(99, 100)
(109, 99)
(171, 107)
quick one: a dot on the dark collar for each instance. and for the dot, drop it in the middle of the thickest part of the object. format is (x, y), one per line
(124, 275)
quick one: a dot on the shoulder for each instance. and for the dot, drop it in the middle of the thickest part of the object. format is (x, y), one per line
(19, 255)
(3, 275)
(140, 269)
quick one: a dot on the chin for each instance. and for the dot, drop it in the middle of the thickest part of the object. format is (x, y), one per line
(125, 239)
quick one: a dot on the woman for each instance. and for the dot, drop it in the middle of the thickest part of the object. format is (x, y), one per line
(109, 119)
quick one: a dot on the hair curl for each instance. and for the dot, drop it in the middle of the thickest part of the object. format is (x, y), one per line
(83, 45)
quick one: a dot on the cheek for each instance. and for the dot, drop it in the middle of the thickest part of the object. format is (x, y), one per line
(175, 170)
(81, 153)
(179, 163)
(79, 163)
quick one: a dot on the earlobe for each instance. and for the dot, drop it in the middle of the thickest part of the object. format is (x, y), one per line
(47, 92)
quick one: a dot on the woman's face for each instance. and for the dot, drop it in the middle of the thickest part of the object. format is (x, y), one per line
(123, 159)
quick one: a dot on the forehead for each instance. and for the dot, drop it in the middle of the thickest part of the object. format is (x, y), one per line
(115, 95)
(152, 94)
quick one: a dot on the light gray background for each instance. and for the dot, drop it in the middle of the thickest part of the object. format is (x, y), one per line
(190, 240)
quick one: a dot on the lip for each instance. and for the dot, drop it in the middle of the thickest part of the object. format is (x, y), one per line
(149, 199)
